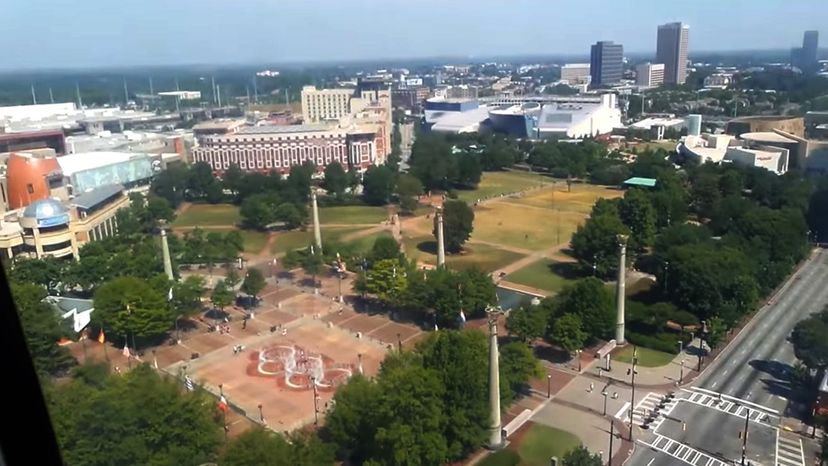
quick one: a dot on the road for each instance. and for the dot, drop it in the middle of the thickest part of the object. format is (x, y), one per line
(750, 378)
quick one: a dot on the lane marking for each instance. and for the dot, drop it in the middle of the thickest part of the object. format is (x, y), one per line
(736, 399)
(623, 410)
(802, 451)
(651, 461)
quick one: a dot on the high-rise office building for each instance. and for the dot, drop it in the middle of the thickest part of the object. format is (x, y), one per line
(606, 65)
(575, 73)
(649, 74)
(806, 58)
(671, 49)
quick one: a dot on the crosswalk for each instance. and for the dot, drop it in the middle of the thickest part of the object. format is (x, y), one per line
(731, 407)
(789, 451)
(647, 407)
(683, 452)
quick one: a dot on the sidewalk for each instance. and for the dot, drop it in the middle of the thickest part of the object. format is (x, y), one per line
(662, 377)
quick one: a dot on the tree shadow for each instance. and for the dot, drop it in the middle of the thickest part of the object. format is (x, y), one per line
(429, 247)
(567, 270)
(307, 282)
(552, 354)
(216, 314)
(776, 369)
(286, 275)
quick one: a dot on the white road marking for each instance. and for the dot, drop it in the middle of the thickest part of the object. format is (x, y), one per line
(624, 409)
(651, 461)
(750, 404)
(682, 452)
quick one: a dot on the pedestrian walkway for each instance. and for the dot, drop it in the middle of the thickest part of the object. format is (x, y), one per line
(789, 450)
(731, 406)
(672, 374)
(649, 406)
(682, 452)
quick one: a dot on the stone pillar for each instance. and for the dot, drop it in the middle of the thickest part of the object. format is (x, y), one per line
(441, 245)
(38, 246)
(620, 292)
(317, 233)
(495, 439)
(106, 230)
(165, 251)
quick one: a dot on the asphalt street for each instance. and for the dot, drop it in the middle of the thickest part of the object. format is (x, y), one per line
(753, 376)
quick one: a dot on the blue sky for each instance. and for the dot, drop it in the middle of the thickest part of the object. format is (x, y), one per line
(81, 33)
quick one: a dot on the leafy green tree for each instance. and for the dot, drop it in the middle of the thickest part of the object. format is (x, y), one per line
(221, 296)
(704, 194)
(45, 272)
(352, 423)
(130, 306)
(312, 263)
(201, 184)
(135, 418)
(258, 211)
(459, 358)
(408, 188)
(458, 223)
(411, 418)
(378, 185)
(636, 211)
(266, 448)
(580, 456)
(187, 295)
(432, 161)
(528, 322)
(469, 170)
(595, 243)
(517, 366)
(292, 215)
(336, 180)
(232, 278)
(171, 184)
(387, 279)
(298, 184)
(385, 247)
(232, 179)
(254, 282)
(568, 333)
(592, 302)
(810, 340)
(43, 328)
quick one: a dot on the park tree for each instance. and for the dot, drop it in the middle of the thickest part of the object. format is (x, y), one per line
(254, 282)
(46, 272)
(385, 247)
(817, 219)
(568, 332)
(595, 243)
(130, 306)
(187, 294)
(408, 189)
(298, 184)
(232, 279)
(336, 180)
(126, 419)
(432, 161)
(580, 456)
(469, 170)
(528, 322)
(202, 185)
(352, 421)
(410, 415)
(517, 366)
(43, 328)
(292, 215)
(637, 213)
(810, 340)
(704, 193)
(267, 448)
(377, 185)
(458, 223)
(232, 179)
(388, 280)
(592, 302)
(459, 359)
(258, 211)
(222, 295)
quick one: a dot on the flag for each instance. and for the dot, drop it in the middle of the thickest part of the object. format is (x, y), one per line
(169, 295)
(155, 362)
(462, 316)
(222, 404)
(188, 383)
(126, 350)
(101, 337)
(436, 328)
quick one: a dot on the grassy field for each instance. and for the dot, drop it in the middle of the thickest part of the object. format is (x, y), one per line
(646, 357)
(208, 214)
(544, 274)
(538, 220)
(481, 256)
(496, 183)
(352, 214)
(543, 442)
(365, 243)
(288, 240)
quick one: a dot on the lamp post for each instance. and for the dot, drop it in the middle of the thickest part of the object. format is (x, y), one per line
(315, 402)
(632, 373)
(605, 394)
(745, 437)
(578, 355)
(261, 414)
(399, 342)
(549, 385)
(612, 434)
(681, 372)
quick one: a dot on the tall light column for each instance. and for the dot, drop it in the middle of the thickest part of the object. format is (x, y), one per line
(441, 245)
(495, 438)
(165, 251)
(620, 295)
(317, 234)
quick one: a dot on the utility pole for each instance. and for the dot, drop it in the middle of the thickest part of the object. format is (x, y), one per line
(495, 437)
(745, 437)
(612, 434)
(632, 373)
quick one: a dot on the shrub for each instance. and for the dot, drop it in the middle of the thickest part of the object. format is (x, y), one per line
(666, 342)
(503, 457)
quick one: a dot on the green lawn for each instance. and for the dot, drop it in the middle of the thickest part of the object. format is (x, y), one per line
(482, 256)
(352, 214)
(208, 214)
(543, 442)
(365, 243)
(646, 357)
(496, 183)
(254, 241)
(289, 240)
(544, 274)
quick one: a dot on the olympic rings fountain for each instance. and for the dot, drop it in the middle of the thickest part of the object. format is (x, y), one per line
(298, 369)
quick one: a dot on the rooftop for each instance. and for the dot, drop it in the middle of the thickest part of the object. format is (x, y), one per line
(273, 129)
(767, 136)
(81, 161)
(97, 196)
(639, 181)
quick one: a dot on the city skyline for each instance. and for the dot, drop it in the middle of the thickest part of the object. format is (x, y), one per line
(160, 33)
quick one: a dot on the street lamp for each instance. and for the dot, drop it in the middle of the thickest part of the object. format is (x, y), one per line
(315, 402)
(612, 434)
(399, 342)
(631, 372)
(745, 437)
(605, 394)
(681, 372)
(261, 414)
(549, 385)
(578, 354)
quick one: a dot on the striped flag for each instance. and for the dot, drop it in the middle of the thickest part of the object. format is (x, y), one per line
(126, 350)
(170, 295)
(188, 383)
(462, 316)
(222, 404)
